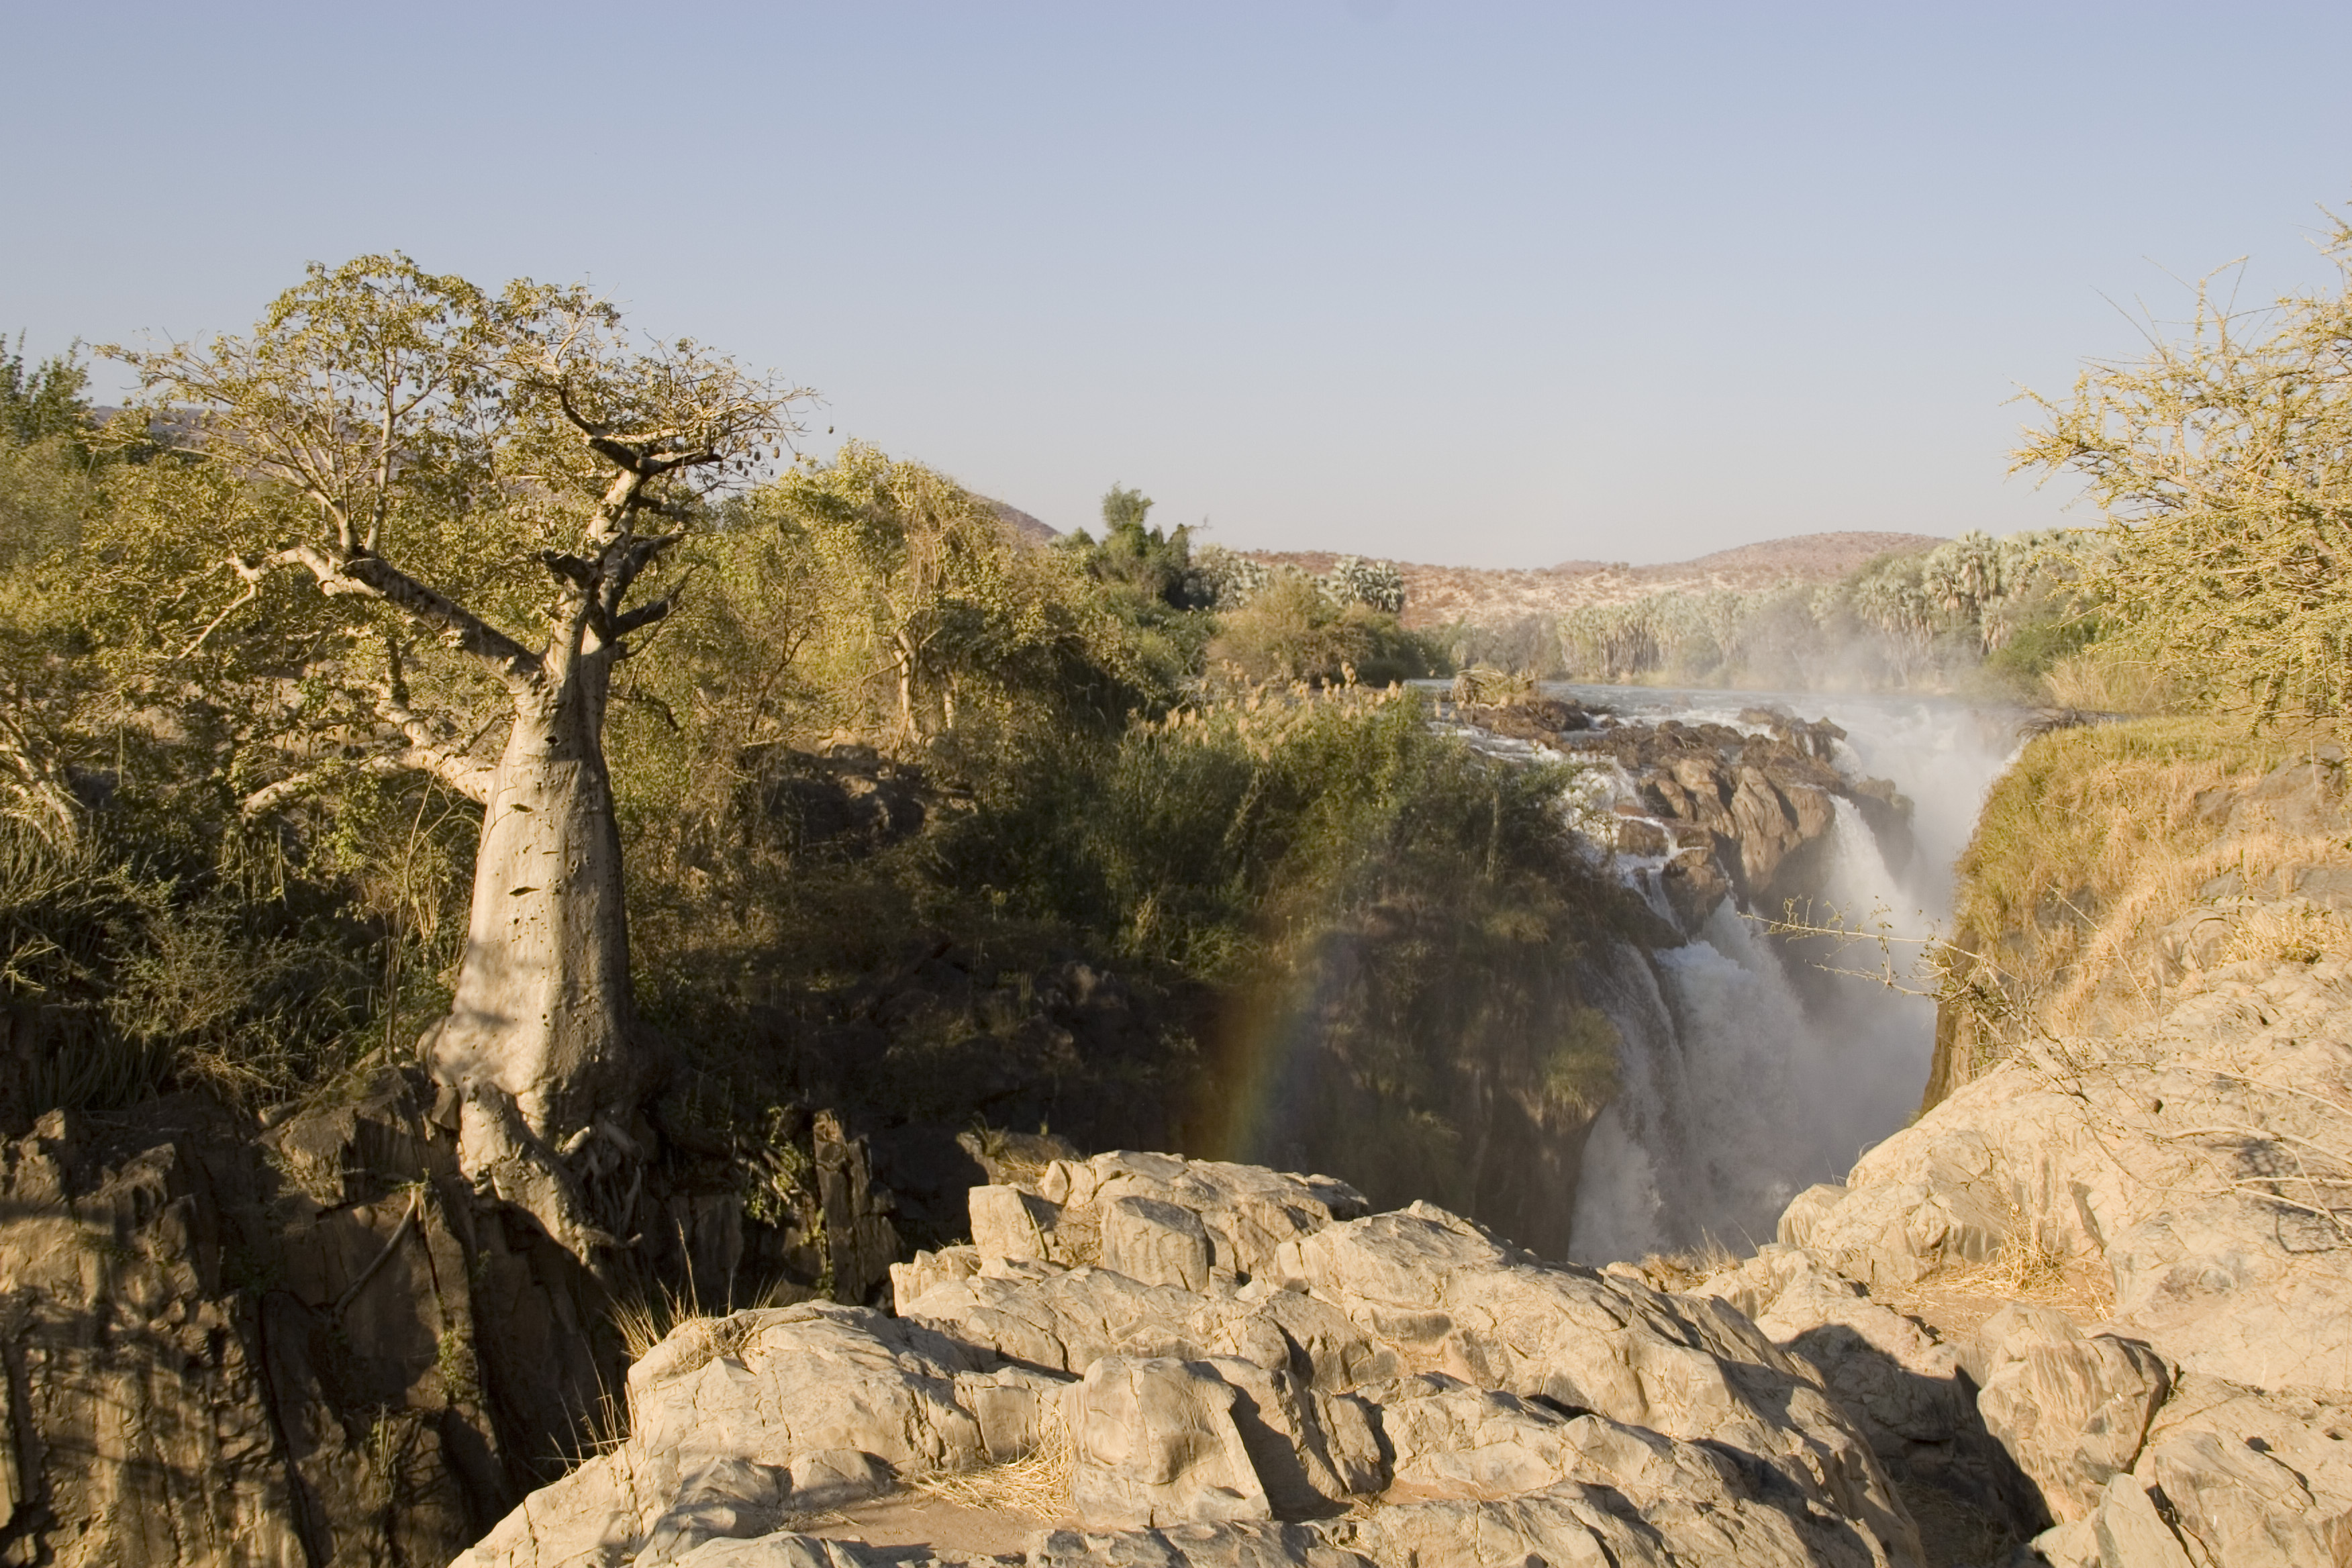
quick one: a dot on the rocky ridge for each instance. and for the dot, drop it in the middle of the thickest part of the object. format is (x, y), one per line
(1439, 597)
(1223, 1364)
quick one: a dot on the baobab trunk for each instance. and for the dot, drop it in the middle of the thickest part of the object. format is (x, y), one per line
(541, 1046)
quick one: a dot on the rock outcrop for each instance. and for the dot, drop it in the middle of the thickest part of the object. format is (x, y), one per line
(313, 1344)
(1745, 814)
(1284, 1379)
(2200, 1163)
(2194, 1173)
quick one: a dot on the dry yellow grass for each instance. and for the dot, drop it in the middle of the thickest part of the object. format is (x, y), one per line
(2088, 850)
(2100, 681)
(2029, 1268)
(2118, 974)
(2296, 932)
(1037, 1483)
(1692, 1265)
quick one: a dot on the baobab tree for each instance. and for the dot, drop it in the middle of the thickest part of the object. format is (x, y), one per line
(388, 401)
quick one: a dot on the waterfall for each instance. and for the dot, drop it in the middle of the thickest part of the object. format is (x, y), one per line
(1743, 1079)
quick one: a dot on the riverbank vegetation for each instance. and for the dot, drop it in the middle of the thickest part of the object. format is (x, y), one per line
(1977, 615)
(917, 818)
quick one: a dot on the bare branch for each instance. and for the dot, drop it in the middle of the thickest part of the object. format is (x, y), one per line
(645, 615)
(460, 772)
(253, 571)
(377, 578)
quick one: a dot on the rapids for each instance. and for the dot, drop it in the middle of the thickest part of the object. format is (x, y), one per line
(1750, 1068)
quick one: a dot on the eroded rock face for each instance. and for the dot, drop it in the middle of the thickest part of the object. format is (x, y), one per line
(1337, 1388)
(1903, 1389)
(213, 1360)
(2071, 1408)
(314, 1343)
(2177, 1158)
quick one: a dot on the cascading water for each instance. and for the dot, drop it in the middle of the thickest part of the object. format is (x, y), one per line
(1739, 1086)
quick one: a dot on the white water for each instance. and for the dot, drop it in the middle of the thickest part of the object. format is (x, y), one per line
(1739, 1088)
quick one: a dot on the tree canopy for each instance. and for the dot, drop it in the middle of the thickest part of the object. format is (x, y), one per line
(2221, 461)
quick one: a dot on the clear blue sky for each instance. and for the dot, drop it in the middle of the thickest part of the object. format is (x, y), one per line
(1485, 284)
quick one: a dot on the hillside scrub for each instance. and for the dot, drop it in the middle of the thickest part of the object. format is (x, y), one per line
(915, 820)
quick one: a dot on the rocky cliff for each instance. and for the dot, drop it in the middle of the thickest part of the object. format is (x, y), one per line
(2118, 1233)
(2090, 1309)
(2156, 1223)
(313, 1344)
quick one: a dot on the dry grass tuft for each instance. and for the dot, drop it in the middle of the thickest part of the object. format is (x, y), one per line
(2295, 932)
(2163, 887)
(1670, 1272)
(2100, 680)
(645, 1320)
(2031, 1270)
(1037, 1483)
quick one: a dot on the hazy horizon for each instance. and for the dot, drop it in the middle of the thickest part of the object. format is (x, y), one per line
(1502, 286)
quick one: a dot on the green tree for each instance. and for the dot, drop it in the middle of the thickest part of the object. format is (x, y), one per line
(2221, 462)
(1145, 567)
(48, 400)
(1124, 508)
(518, 445)
(930, 597)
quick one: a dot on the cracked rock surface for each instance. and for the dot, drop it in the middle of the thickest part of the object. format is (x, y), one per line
(1299, 1383)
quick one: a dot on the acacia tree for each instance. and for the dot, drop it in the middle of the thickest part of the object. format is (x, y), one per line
(390, 401)
(2222, 463)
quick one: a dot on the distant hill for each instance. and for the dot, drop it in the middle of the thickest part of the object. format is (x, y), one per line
(1026, 526)
(1441, 595)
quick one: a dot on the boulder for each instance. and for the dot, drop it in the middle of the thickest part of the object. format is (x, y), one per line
(1448, 1297)
(1246, 1211)
(1156, 1242)
(909, 1279)
(2248, 1476)
(1251, 1544)
(2072, 1409)
(1281, 1423)
(1009, 1223)
(1157, 1444)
